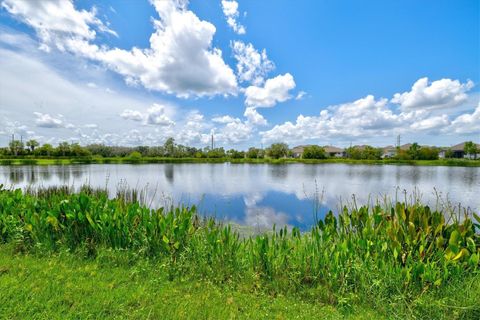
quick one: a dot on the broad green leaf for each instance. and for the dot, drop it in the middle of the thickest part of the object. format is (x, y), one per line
(474, 259)
(454, 237)
(165, 239)
(458, 256)
(477, 217)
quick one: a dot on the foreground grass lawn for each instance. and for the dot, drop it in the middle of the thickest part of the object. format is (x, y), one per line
(68, 287)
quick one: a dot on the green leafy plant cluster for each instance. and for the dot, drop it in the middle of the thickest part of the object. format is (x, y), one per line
(380, 254)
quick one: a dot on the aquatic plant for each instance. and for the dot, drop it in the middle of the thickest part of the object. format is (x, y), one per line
(369, 251)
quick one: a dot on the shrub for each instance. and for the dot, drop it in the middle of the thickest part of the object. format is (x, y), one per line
(278, 150)
(135, 155)
(314, 152)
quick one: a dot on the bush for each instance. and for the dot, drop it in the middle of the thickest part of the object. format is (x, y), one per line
(314, 152)
(216, 153)
(365, 153)
(28, 161)
(278, 150)
(428, 153)
(135, 156)
(234, 154)
(6, 162)
(253, 153)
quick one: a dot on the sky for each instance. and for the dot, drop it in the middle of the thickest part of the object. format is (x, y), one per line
(248, 72)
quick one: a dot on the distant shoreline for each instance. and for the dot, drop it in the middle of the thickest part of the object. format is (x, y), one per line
(147, 160)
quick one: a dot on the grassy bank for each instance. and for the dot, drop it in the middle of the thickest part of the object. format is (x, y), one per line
(62, 161)
(62, 286)
(117, 258)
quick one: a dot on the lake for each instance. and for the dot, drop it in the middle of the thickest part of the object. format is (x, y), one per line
(261, 195)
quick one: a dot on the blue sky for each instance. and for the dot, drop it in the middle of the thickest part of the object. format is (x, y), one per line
(333, 72)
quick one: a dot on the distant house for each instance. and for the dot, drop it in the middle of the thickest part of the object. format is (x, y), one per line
(334, 151)
(297, 152)
(405, 147)
(389, 152)
(458, 151)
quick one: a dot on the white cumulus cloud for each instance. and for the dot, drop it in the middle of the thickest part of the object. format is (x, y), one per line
(252, 65)
(444, 93)
(155, 115)
(300, 95)
(254, 117)
(55, 21)
(234, 130)
(273, 91)
(180, 60)
(45, 120)
(134, 115)
(432, 123)
(230, 10)
(193, 129)
(364, 118)
(224, 119)
(468, 123)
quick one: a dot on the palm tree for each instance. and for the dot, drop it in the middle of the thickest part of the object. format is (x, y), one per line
(63, 148)
(32, 144)
(47, 149)
(16, 146)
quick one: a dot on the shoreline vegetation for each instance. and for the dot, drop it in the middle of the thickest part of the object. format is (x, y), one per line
(31, 153)
(147, 160)
(65, 254)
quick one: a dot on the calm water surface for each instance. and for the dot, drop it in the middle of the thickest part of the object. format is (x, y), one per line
(261, 195)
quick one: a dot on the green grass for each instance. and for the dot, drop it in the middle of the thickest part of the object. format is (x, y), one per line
(65, 286)
(396, 260)
(63, 161)
(62, 286)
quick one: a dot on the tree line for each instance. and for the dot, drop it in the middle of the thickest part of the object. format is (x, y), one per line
(170, 149)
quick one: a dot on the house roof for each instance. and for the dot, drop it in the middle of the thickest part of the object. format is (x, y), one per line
(461, 146)
(299, 149)
(405, 146)
(389, 148)
(333, 149)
